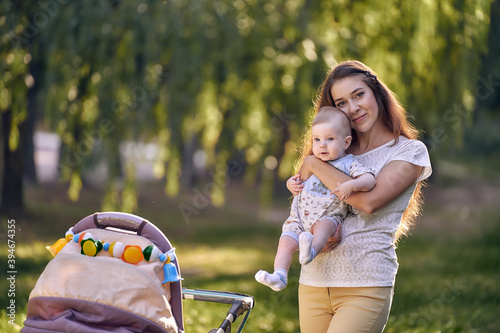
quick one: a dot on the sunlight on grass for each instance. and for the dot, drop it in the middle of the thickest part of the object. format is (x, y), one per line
(30, 259)
(6, 325)
(232, 269)
(36, 250)
(209, 262)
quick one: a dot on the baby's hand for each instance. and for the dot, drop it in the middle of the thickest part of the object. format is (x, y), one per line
(294, 184)
(343, 191)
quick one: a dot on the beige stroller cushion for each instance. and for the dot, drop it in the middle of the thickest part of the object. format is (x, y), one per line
(108, 280)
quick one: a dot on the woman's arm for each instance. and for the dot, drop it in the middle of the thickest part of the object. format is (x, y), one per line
(310, 164)
(392, 180)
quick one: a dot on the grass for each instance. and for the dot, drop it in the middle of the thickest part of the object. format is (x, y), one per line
(447, 281)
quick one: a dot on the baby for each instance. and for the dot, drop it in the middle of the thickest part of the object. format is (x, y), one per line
(316, 204)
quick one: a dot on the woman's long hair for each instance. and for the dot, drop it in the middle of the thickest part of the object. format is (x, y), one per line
(394, 117)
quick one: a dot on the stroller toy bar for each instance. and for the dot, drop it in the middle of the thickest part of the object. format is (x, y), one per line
(132, 254)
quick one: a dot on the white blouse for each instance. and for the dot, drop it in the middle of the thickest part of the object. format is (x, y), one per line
(366, 256)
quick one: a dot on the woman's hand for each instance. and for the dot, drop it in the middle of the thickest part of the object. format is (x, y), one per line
(333, 241)
(294, 184)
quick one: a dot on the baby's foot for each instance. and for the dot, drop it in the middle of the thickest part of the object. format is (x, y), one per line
(307, 252)
(276, 281)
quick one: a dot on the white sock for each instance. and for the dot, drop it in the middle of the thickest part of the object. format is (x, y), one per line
(276, 281)
(307, 252)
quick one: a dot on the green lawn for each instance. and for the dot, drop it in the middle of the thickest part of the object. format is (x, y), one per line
(448, 279)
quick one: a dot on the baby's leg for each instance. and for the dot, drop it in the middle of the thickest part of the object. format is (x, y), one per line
(311, 245)
(279, 278)
(323, 230)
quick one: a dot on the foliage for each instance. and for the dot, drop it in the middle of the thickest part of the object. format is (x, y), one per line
(234, 79)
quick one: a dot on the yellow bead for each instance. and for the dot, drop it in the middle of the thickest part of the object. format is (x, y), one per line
(89, 248)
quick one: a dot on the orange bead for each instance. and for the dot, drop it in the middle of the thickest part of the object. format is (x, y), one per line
(132, 254)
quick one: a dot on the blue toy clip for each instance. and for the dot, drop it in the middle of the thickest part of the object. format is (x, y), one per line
(170, 273)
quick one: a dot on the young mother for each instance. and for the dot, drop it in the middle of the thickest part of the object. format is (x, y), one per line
(350, 288)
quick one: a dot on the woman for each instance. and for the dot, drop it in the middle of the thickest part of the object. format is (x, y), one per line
(350, 288)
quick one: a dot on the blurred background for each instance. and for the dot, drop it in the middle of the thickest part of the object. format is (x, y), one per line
(191, 114)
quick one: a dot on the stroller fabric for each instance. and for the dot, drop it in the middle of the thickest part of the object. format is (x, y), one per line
(80, 293)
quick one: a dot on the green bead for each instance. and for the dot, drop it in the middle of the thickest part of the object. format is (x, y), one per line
(147, 252)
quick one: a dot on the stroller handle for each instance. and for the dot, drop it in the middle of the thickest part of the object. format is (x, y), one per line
(119, 220)
(124, 222)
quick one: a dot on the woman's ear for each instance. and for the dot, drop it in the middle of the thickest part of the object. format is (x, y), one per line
(347, 143)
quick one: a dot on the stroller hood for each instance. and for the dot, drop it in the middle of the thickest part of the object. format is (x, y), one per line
(75, 292)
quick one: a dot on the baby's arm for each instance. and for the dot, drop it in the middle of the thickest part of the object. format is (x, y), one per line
(362, 183)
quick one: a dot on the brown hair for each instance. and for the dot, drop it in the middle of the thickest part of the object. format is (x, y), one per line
(394, 117)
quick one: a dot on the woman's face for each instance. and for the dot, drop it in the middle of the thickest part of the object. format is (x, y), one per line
(356, 99)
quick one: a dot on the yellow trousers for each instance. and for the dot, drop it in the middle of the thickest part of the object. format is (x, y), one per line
(344, 310)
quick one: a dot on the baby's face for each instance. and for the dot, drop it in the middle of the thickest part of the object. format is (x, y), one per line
(328, 145)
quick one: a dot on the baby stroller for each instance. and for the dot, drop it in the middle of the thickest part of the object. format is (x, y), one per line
(117, 272)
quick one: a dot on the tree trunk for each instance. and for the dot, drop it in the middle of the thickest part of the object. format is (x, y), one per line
(13, 168)
(30, 169)
(487, 97)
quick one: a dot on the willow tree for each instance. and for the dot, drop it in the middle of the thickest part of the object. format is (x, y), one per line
(229, 76)
(234, 79)
(483, 139)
